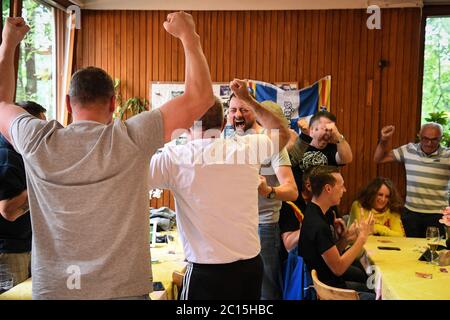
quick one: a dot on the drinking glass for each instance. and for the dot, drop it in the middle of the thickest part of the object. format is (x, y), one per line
(433, 238)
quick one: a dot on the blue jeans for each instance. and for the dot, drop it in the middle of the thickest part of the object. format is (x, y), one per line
(269, 235)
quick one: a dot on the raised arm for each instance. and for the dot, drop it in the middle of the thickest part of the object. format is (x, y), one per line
(14, 31)
(181, 112)
(266, 118)
(344, 153)
(382, 155)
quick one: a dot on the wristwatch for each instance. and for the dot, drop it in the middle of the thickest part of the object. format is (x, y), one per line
(271, 194)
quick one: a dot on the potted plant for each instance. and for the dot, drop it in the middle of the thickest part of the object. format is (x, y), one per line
(441, 117)
(131, 107)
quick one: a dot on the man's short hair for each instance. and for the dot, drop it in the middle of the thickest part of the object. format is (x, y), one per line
(33, 108)
(213, 118)
(321, 176)
(91, 85)
(322, 114)
(434, 125)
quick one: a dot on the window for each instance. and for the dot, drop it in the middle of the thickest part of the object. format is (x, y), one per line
(5, 10)
(36, 72)
(436, 74)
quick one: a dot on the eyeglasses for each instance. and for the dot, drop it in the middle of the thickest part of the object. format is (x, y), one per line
(433, 140)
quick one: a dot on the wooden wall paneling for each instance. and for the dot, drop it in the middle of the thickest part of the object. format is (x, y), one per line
(335, 56)
(141, 53)
(370, 106)
(227, 48)
(104, 41)
(397, 99)
(307, 49)
(416, 69)
(207, 36)
(117, 40)
(110, 42)
(253, 45)
(245, 56)
(279, 40)
(345, 88)
(286, 58)
(169, 51)
(239, 46)
(322, 38)
(300, 72)
(98, 39)
(155, 45)
(313, 76)
(171, 201)
(123, 55)
(220, 46)
(386, 108)
(260, 54)
(275, 46)
(266, 47)
(293, 41)
(181, 62)
(162, 46)
(362, 128)
(214, 37)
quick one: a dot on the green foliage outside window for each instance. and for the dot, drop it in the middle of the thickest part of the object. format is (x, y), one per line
(36, 62)
(436, 76)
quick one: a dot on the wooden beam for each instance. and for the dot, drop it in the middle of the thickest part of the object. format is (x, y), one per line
(15, 10)
(62, 114)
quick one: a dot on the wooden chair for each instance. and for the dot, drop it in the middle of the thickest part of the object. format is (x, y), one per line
(325, 292)
(177, 283)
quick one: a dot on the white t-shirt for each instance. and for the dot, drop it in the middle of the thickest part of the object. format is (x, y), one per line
(215, 183)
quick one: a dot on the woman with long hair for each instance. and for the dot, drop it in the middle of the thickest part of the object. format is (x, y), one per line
(382, 199)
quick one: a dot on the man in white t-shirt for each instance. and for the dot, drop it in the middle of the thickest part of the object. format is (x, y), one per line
(215, 182)
(87, 182)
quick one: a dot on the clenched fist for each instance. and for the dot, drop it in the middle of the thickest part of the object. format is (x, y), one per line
(181, 25)
(239, 88)
(14, 31)
(387, 132)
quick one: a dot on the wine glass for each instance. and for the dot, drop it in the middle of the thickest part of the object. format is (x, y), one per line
(433, 238)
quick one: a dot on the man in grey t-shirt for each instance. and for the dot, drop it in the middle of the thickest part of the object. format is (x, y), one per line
(87, 182)
(276, 184)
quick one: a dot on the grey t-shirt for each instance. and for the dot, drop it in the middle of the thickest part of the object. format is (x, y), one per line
(269, 209)
(87, 188)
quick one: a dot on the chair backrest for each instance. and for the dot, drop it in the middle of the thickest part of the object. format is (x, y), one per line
(325, 292)
(177, 281)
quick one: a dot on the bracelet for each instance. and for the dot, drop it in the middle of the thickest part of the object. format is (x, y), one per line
(342, 138)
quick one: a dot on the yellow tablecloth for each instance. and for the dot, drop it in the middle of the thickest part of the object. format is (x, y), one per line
(397, 270)
(163, 264)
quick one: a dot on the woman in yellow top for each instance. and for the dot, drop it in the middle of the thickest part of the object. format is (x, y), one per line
(381, 198)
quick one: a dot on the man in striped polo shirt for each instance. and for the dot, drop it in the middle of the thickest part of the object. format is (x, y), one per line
(427, 166)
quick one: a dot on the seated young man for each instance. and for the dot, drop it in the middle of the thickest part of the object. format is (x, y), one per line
(318, 246)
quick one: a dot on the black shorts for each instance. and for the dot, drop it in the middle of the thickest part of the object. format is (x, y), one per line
(240, 280)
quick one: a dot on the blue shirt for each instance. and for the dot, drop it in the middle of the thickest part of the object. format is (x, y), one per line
(15, 237)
